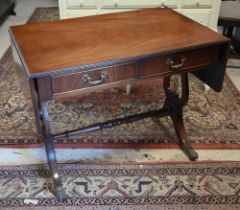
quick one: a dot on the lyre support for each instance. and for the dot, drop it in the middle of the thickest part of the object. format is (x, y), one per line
(173, 107)
(174, 103)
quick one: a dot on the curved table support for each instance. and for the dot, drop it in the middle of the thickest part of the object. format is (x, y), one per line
(50, 151)
(174, 103)
(173, 107)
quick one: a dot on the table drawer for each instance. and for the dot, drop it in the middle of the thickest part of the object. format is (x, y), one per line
(123, 4)
(178, 62)
(197, 3)
(81, 4)
(93, 78)
(130, 4)
(169, 3)
(106, 11)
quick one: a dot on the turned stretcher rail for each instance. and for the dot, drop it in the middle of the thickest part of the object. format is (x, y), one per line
(112, 123)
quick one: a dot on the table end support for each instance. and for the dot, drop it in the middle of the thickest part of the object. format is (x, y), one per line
(174, 103)
(182, 137)
(50, 153)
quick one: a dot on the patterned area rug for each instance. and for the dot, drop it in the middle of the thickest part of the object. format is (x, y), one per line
(212, 120)
(124, 187)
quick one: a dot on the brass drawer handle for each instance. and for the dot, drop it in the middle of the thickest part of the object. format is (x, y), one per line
(175, 66)
(87, 78)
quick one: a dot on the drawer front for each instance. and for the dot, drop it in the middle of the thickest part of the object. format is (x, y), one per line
(93, 78)
(138, 4)
(197, 3)
(169, 3)
(130, 4)
(106, 11)
(201, 16)
(178, 62)
(81, 4)
(110, 4)
(81, 13)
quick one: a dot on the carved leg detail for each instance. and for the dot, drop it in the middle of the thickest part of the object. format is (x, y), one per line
(182, 137)
(50, 152)
(174, 104)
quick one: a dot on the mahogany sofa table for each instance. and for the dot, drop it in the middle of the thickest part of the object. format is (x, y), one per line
(68, 57)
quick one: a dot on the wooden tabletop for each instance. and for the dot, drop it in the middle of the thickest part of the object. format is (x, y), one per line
(48, 46)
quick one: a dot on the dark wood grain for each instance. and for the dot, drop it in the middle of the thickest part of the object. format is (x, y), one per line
(193, 59)
(44, 88)
(79, 41)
